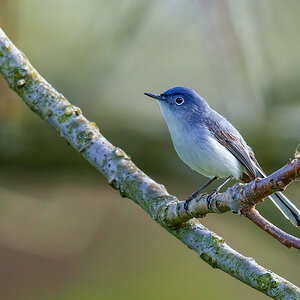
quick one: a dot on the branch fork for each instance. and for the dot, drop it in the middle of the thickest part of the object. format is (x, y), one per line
(239, 199)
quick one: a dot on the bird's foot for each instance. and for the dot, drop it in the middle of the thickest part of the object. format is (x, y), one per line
(186, 204)
(209, 198)
(195, 194)
(188, 200)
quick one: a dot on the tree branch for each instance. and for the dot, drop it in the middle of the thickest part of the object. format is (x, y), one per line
(240, 199)
(123, 175)
(284, 238)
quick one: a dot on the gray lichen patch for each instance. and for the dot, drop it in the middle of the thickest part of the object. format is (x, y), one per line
(266, 281)
(70, 110)
(63, 118)
(4, 49)
(84, 137)
(72, 126)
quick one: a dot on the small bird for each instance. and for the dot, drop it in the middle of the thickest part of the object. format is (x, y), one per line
(211, 146)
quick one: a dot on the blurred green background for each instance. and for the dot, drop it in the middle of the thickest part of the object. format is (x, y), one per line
(64, 233)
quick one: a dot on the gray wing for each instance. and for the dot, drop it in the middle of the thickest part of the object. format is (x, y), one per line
(253, 159)
(230, 138)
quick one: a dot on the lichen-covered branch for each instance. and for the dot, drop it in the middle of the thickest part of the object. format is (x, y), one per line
(237, 198)
(240, 199)
(123, 175)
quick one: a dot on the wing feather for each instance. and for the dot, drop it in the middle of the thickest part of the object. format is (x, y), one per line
(236, 145)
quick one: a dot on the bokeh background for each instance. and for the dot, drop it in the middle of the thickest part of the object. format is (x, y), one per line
(64, 233)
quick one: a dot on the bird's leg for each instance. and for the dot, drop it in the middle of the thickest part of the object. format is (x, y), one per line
(216, 191)
(194, 195)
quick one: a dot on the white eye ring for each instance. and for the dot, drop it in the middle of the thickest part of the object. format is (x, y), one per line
(179, 101)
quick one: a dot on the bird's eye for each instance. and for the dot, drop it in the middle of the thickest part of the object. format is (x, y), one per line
(179, 101)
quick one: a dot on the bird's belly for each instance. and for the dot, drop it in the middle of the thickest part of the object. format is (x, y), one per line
(208, 157)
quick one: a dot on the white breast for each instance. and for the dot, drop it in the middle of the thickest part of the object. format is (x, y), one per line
(201, 151)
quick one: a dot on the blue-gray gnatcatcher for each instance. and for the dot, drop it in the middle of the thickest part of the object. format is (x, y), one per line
(210, 145)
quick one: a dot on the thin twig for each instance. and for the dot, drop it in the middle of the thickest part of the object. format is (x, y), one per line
(284, 238)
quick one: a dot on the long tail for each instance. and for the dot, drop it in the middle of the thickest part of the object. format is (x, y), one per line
(288, 209)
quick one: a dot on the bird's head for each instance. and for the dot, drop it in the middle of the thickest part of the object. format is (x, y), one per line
(179, 103)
